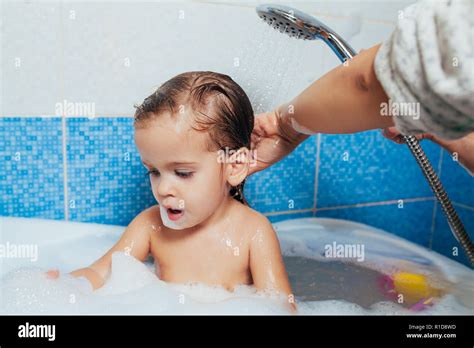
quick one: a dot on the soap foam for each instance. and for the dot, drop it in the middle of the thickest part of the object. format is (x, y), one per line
(133, 288)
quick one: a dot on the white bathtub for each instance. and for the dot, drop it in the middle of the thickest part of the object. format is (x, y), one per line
(46, 244)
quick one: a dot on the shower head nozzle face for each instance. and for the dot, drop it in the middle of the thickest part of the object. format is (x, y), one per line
(302, 26)
(290, 21)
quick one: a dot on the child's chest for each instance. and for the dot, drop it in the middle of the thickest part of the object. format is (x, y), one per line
(215, 260)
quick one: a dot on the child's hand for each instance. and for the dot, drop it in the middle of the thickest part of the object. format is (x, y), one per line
(52, 274)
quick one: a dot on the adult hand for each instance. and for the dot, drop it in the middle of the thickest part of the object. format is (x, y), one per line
(463, 147)
(273, 138)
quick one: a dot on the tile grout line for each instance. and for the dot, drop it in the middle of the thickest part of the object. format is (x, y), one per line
(372, 204)
(65, 178)
(468, 207)
(287, 212)
(359, 205)
(63, 119)
(435, 205)
(316, 174)
(433, 223)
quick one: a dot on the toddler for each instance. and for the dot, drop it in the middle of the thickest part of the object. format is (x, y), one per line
(193, 135)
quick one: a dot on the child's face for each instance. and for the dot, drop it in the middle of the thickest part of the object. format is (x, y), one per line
(185, 177)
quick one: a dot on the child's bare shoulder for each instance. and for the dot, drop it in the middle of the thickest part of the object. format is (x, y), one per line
(263, 239)
(135, 240)
(254, 221)
(146, 221)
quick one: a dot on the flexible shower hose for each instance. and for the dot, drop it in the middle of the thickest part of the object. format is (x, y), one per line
(457, 228)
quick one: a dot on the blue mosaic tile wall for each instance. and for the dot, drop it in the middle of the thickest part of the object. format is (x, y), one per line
(106, 180)
(31, 168)
(91, 172)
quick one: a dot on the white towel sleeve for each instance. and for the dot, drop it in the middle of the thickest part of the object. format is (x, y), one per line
(429, 59)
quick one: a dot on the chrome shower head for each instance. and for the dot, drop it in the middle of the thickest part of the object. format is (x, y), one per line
(302, 26)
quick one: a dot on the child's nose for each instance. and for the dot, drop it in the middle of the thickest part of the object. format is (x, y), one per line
(165, 187)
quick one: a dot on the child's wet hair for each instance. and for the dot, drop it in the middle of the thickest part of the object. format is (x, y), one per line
(220, 107)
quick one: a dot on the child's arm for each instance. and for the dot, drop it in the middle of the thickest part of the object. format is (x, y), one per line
(135, 241)
(266, 262)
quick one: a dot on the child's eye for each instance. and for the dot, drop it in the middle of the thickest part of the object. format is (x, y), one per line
(152, 172)
(184, 174)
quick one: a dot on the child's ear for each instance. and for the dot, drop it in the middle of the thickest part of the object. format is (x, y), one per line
(238, 166)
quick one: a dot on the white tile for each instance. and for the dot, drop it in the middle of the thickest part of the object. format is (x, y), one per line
(386, 10)
(371, 34)
(158, 43)
(98, 40)
(30, 65)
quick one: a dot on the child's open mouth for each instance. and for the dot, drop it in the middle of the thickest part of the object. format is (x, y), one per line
(174, 214)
